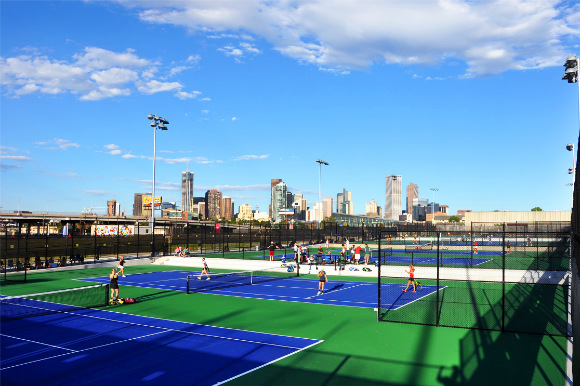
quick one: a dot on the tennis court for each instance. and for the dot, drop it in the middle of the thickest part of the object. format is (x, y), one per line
(82, 347)
(353, 348)
(302, 290)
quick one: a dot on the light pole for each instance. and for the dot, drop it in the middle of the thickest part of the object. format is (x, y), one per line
(433, 204)
(156, 123)
(572, 65)
(572, 170)
(320, 163)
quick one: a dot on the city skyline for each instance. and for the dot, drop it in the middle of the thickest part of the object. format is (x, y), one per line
(477, 109)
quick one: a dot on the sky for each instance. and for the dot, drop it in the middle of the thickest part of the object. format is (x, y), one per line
(462, 96)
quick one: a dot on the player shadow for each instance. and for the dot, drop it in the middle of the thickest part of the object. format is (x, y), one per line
(334, 288)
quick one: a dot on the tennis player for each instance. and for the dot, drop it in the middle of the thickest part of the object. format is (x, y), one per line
(357, 254)
(272, 248)
(204, 270)
(411, 273)
(114, 284)
(475, 247)
(121, 265)
(367, 254)
(322, 278)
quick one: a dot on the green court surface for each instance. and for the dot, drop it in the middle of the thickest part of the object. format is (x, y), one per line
(357, 350)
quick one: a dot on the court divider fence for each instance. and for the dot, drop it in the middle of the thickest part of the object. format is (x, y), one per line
(495, 278)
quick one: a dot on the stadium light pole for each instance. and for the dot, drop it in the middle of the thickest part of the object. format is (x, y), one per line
(433, 204)
(572, 170)
(156, 123)
(572, 65)
(320, 163)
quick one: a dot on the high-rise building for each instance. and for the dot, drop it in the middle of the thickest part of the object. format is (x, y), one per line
(186, 191)
(412, 192)
(213, 202)
(226, 208)
(201, 209)
(111, 208)
(273, 183)
(371, 208)
(279, 200)
(327, 205)
(138, 204)
(245, 212)
(344, 202)
(394, 197)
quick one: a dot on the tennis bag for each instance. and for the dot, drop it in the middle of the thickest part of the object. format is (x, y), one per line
(130, 300)
(291, 268)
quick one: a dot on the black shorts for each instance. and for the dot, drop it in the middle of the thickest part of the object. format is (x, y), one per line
(114, 286)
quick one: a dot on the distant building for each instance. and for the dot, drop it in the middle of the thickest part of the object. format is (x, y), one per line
(273, 183)
(327, 205)
(227, 208)
(344, 202)
(138, 204)
(113, 208)
(245, 212)
(213, 202)
(201, 210)
(394, 197)
(412, 192)
(371, 208)
(462, 212)
(186, 191)
(279, 200)
(444, 209)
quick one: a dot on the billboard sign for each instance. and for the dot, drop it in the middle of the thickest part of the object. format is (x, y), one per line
(286, 212)
(147, 201)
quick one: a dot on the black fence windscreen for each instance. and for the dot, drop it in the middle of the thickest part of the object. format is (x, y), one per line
(491, 280)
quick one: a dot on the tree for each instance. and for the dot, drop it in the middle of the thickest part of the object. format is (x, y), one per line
(536, 209)
(454, 219)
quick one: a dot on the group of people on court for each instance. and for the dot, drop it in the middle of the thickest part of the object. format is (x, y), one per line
(353, 255)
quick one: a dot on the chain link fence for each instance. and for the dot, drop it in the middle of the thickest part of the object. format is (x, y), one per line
(494, 279)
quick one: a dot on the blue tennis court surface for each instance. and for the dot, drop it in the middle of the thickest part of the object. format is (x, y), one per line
(97, 347)
(337, 292)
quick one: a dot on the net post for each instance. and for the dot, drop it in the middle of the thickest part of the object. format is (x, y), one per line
(107, 292)
(187, 286)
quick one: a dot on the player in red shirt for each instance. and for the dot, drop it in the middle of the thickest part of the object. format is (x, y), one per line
(411, 273)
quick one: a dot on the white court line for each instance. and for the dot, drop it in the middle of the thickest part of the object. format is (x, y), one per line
(83, 350)
(40, 343)
(266, 364)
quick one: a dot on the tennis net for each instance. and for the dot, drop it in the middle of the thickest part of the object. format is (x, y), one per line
(232, 279)
(418, 247)
(28, 306)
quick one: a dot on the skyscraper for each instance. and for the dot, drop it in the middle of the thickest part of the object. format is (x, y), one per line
(327, 206)
(138, 204)
(412, 192)
(279, 200)
(226, 208)
(186, 191)
(394, 197)
(344, 202)
(213, 202)
(273, 183)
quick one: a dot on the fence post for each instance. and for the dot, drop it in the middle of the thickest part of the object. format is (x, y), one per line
(503, 281)
(437, 301)
(379, 280)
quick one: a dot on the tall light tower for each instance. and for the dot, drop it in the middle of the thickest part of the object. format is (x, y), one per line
(572, 65)
(156, 123)
(572, 170)
(320, 163)
(433, 204)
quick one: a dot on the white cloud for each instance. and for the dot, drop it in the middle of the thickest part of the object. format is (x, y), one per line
(15, 157)
(128, 156)
(249, 157)
(111, 146)
(187, 95)
(487, 36)
(93, 74)
(206, 99)
(205, 111)
(234, 118)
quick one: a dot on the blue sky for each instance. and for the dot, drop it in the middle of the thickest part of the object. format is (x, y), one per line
(464, 96)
